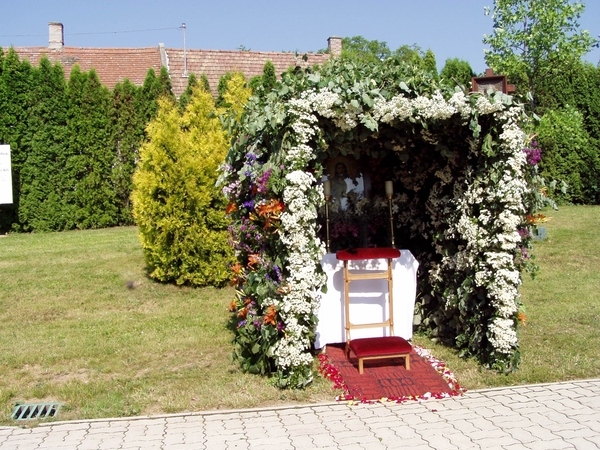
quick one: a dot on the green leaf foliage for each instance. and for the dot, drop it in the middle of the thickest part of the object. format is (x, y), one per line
(568, 156)
(457, 72)
(42, 206)
(533, 36)
(127, 135)
(269, 78)
(359, 49)
(184, 98)
(179, 211)
(410, 54)
(15, 100)
(222, 88)
(74, 146)
(430, 64)
(91, 196)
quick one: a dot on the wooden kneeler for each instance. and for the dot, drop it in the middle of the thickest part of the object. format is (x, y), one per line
(375, 347)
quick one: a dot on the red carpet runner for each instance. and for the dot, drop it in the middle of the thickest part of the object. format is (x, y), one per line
(388, 379)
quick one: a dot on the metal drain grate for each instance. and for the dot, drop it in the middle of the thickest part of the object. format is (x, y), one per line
(35, 411)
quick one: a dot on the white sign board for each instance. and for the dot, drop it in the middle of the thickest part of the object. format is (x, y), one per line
(6, 187)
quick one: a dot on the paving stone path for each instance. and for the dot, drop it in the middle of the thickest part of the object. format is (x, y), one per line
(547, 416)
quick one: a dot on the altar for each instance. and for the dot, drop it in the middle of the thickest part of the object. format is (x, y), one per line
(367, 298)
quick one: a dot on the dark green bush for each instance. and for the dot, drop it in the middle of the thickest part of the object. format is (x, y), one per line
(568, 155)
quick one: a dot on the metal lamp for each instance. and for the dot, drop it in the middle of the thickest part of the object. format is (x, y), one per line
(327, 192)
(389, 191)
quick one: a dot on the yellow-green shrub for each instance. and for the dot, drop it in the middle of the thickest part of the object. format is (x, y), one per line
(179, 211)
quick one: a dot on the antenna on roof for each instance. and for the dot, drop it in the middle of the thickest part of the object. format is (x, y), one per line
(185, 72)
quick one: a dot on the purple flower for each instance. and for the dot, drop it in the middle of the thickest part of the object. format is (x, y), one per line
(262, 181)
(249, 204)
(534, 154)
(280, 326)
(278, 273)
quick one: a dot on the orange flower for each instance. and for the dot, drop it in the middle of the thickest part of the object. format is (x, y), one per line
(284, 289)
(538, 218)
(270, 317)
(237, 269)
(230, 208)
(232, 306)
(272, 208)
(243, 312)
(253, 260)
(522, 318)
(270, 211)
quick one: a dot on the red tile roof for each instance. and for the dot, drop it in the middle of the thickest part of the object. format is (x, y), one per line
(112, 65)
(215, 63)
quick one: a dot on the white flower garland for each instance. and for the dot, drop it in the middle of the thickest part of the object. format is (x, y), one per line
(298, 233)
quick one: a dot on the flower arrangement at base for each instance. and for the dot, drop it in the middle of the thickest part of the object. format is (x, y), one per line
(459, 171)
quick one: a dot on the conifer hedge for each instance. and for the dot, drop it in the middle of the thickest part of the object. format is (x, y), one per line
(74, 145)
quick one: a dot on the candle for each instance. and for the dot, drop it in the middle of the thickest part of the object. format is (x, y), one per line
(389, 188)
(327, 187)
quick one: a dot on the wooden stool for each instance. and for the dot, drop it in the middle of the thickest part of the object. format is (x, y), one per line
(375, 347)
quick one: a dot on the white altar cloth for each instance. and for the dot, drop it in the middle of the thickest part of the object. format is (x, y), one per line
(368, 299)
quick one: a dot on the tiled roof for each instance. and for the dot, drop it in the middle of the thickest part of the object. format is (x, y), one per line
(112, 65)
(215, 63)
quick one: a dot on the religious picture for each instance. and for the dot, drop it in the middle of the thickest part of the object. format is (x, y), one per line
(339, 187)
(346, 180)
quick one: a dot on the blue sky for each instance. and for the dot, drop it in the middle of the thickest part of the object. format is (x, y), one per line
(450, 28)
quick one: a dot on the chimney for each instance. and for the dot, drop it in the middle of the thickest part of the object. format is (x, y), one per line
(56, 35)
(334, 45)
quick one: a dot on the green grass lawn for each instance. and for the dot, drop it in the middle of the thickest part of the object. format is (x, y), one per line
(81, 324)
(73, 330)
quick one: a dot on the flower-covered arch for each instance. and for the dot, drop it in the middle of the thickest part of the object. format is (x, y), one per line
(461, 191)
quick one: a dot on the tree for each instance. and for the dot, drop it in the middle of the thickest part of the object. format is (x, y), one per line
(15, 99)
(204, 83)
(269, 79)
(127, 136)
(153, 88)
(236, 95)
(184, 98)
(42, 202)
(222, 88)
(457, 72)
(358, 48)
(575, 85)
(410, 54)
(261, 85)
(532, 36)
(430, 64)
(178, 209)
(92, 196)
(165, 87)
(568, 156)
